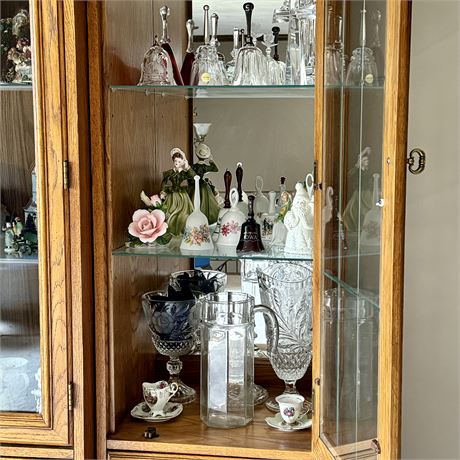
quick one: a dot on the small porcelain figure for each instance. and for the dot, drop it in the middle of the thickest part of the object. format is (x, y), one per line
(279, 233)
(205, 164)
(175, 188)
(232, 221)
(261, 203)
(9, 238)
(17, 226)
(197, 235)
(299, 224)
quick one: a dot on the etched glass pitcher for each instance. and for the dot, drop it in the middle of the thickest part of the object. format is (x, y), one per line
(227, 357)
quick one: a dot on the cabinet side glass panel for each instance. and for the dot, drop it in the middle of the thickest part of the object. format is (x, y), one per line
(354, 102)
(19, 280)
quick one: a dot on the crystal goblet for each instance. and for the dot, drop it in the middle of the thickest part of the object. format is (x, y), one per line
(173, 324)
(287, 289)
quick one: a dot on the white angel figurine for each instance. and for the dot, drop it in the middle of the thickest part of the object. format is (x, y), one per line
(299, 224)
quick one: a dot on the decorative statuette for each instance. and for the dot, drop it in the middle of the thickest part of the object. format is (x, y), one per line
(299, 223)
(197, 235)
(250, 238)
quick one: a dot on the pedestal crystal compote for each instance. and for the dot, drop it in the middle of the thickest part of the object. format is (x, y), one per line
(173, 318)
(287, 289)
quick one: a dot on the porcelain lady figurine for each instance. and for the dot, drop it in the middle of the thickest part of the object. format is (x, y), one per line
(175, 188)
(197, 235)
(205, 164)
(299, 224)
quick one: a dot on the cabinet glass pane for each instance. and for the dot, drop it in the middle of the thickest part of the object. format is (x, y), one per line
(354, 103)
(19, 296)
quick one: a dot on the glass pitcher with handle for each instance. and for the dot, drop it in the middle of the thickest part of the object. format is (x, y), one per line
(227, 357)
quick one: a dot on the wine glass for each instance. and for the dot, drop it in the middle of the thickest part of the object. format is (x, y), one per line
(287, 289)
(173, 322)
(251, 64)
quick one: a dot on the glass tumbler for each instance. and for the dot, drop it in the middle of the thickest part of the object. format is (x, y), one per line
(287, 289)
(227, 358)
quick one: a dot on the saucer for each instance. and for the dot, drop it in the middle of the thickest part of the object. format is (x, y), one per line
(142, 412)
(278, 423)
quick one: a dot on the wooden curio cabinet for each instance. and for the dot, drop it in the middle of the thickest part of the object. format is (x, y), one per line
(350, 129)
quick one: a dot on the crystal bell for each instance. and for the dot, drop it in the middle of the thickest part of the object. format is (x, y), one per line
(156, 67)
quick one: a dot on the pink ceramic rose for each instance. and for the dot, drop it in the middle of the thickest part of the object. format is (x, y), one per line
(148, 226)
(156, 200)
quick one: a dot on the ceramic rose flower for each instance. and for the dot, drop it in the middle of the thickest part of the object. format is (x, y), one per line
(148, 226)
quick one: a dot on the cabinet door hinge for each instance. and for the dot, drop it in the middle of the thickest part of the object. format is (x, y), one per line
(316, 185)
(66, 174)
(70, 396)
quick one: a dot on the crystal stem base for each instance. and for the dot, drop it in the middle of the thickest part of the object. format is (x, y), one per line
(185, 394)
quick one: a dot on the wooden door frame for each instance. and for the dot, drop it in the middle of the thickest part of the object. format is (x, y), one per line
(393, 215)
(65, 233)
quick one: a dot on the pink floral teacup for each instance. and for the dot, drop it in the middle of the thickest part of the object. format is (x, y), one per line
(290, 407)
(157, 394)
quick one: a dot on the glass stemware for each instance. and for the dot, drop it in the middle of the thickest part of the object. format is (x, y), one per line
(287, 289)
(156, 67)
(173, 325)
(251, 64)
(362, 70)
(207, 70)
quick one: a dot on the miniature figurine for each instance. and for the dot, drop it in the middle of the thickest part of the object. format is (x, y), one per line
(205, 164)
(177, 199)
(9, 238)
(17, 226)
(299, 224)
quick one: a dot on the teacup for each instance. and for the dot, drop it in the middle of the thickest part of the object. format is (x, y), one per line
(157, 394)
(290, 407)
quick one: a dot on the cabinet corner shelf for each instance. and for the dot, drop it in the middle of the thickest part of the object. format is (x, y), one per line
(223, 92)
(216, 254)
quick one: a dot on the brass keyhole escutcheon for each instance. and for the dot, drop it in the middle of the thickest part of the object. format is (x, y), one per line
(416, 157)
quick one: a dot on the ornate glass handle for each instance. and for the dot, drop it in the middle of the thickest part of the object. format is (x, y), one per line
(273, 339)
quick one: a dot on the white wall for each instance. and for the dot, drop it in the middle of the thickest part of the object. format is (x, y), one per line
(431, 367)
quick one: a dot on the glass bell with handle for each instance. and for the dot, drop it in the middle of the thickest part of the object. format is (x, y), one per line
(156, 69)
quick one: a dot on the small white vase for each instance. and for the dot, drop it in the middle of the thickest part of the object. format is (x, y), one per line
(197, 235)
(233, 219)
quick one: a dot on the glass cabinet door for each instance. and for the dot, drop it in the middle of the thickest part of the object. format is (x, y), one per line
(357, 97)
(33, 352)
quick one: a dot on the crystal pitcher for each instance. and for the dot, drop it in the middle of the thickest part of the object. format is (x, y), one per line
(227, 358)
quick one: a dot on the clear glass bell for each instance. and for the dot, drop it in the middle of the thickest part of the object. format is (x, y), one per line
(156, 69)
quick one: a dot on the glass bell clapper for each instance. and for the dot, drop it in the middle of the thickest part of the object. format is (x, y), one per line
(227, 357)
(251, 64)
(242, 197)
(189, 53)
(215, 42)
(362, 70)
(156, 68)
(230, 66)
(276, 68)
(370, 230)
(261, 201)
(165, 41)
(197, 235)
(206, 69)
(250, 239)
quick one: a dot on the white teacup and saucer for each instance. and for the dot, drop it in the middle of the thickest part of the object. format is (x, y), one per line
(290, 417)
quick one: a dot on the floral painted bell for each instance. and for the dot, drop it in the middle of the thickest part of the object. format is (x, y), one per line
(233, 219)
(197, 235)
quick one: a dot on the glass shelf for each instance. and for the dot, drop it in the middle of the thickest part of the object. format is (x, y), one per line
(361, 295)
(380, 85)
(216, 254)
(15, 86)
(224, 92)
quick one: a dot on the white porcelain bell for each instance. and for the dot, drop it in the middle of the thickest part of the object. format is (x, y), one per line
(299, 224)
(197, 235)
(233, 219)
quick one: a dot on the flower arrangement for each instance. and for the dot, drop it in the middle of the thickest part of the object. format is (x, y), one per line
(149, 225)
